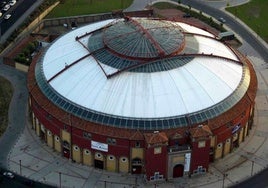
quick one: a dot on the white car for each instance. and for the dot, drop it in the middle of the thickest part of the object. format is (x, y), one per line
(9, 175)
(6, 7)
(7, 16)
(12, 3)
(222, 20)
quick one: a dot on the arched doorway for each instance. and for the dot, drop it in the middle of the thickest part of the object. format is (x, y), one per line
(66, 149)
(178, 171)
(99, 160)
(98, 164)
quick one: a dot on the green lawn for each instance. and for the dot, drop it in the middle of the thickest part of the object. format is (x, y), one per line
(83, 7)
(6, 92)
(254, 14)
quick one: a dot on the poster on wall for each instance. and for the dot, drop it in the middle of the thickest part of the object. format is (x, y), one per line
(99, 146)
(187, 162)
(236, 128)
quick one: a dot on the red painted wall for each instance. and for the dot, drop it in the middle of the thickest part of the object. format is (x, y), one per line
(155, 162)
(121, 148)
(200, 156)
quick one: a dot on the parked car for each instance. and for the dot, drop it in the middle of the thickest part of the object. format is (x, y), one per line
(12, 3)
(9, 175)
(6, 7)
(7, 16)
(2, 4)
(29, 182)
(222, 20)
(186, 15)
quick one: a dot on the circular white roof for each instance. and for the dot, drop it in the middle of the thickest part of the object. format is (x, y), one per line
(204, 81)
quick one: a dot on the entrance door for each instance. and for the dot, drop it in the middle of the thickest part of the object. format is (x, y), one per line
(42, 135)
(235, 144)
(178, 171)
(66, 153)
(136, 166)
(136, 169)
(98, 164)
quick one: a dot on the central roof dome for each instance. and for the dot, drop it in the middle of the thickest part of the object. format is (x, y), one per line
(143, 38)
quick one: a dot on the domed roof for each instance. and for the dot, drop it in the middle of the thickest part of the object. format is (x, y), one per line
(123, 73)
(143, 38)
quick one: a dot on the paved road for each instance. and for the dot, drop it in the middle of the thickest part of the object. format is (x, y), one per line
(19, 182)
(259, 180)
(16, 12)
(19, 14)
(17, 110)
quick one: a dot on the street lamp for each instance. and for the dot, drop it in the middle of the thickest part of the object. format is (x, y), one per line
(20, 167)
(252, 164)
(224, 175)
(60, 179)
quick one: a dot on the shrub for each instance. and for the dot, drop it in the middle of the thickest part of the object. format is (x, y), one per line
(25, 56)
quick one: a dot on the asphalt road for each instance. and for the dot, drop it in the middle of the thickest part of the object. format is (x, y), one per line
(259, 180)
(19, 182)
(17, 110)
(19, 13)
(231, 23)
(16, 12)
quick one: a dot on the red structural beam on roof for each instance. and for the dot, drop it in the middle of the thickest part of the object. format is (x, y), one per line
(89, 33)
(160, 51)
(94, 57)
(67, 66)
(179, 55)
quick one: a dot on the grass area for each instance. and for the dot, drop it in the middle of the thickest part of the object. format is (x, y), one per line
(255, 15)
(164, 5)
(83, 7)
(198, 15)
(6, 92)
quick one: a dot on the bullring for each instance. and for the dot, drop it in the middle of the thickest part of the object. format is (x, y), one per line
(142, 96)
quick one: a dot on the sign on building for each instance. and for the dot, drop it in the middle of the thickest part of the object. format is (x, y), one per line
(187, 162)
(99, 146)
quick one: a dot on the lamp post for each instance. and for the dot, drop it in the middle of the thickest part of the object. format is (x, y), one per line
(252, 165)
(60, 179)
(20, 167)
(224, 175)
